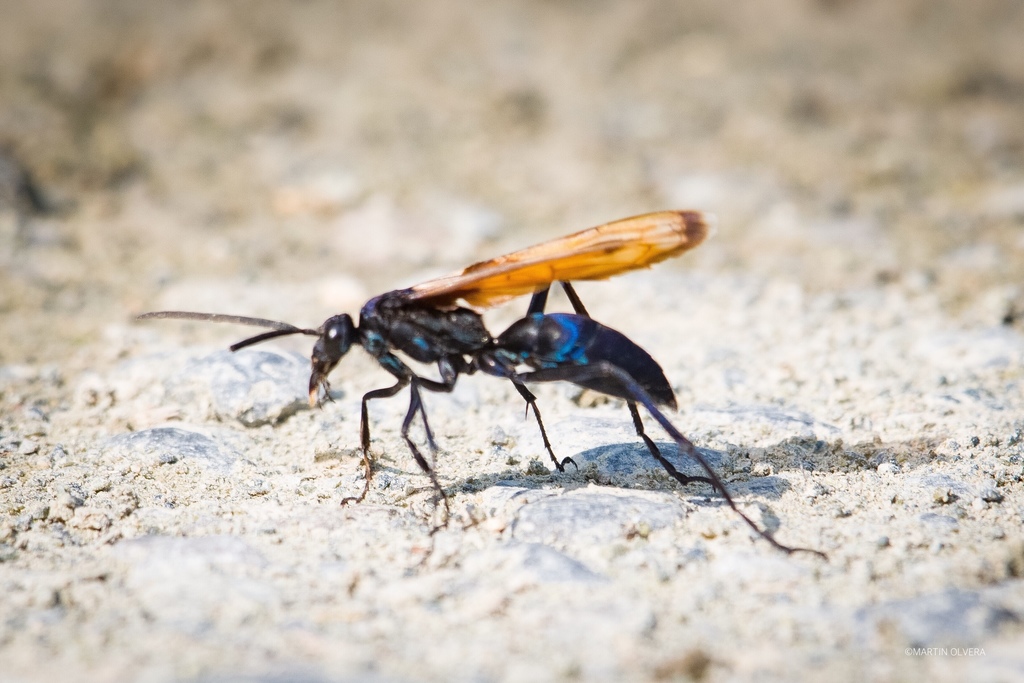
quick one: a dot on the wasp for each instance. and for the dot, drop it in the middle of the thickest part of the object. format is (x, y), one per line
(439, 322)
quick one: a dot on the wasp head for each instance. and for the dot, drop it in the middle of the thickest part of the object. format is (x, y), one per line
(336, 337)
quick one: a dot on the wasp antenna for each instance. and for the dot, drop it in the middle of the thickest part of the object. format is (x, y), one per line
(273, 334)
(278, 329)
(224, 318)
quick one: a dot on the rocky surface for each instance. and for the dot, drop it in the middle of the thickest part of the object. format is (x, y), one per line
(847, 350)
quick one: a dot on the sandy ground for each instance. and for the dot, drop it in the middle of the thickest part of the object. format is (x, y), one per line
(848, 349)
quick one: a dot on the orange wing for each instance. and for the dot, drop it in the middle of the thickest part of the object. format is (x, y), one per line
(594, 254)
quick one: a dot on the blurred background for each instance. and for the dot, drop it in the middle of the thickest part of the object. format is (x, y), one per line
(236, 155)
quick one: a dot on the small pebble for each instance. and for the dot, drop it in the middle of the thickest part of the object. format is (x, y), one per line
(91, 518)
(28, 447)
(72, 500)
(942, 495)
(814, 490)
(60, 512)
(258, 487)
(990, 494)
(536, 468)
(44, 597)
(59, 455)
(165, 459)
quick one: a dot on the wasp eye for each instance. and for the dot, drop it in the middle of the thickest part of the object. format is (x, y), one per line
(338, 335)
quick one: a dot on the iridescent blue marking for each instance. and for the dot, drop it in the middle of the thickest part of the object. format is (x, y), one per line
(392, 363)
(373, 342)
(570, 349)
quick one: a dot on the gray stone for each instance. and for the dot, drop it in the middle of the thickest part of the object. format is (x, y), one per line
(253, 386)
(614, 449)
(990, 493)
(938, 523)
(931, 482)
(539, 563)
(165, 445)
(953, 618)
(594, 516)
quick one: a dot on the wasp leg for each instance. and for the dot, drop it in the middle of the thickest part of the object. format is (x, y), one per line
(538, 302)
(531, 403)
(364, 434)
(574, 299)
(656, 452)
(416, 404)
(449, 375)
(603, 370)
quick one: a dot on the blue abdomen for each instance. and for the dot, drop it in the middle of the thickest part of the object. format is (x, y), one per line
(568, 339)
(562, 339)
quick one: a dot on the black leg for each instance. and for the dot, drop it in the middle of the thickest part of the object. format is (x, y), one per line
(574, 299)
(531, 402)
(364, 417)
(656, 452)
(364, 434)
(405, 377)
(605, 370)
(580, 309)
(537, 304)
(416, 404)
(449, 375)
(538, 301)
